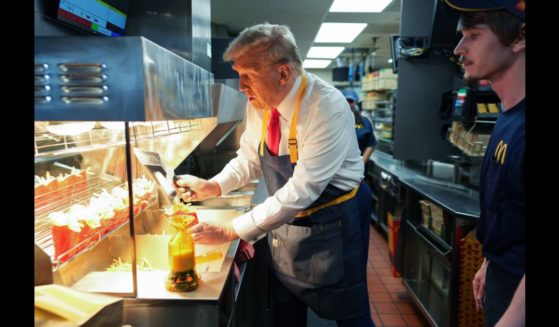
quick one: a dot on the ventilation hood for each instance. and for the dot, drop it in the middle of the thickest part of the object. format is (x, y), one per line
(126, 78)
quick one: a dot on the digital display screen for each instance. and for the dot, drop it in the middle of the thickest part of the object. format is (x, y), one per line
(96, 16)
(340, 74)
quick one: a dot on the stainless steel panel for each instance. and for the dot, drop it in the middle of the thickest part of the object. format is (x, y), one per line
(182, 27)
(144, 81)
(228, 104)
(201, 33)
(420, 86)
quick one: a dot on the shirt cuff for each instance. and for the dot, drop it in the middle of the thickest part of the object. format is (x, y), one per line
(246, 228)
(225, 183)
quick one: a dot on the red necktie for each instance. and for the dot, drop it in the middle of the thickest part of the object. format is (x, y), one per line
(274, 132)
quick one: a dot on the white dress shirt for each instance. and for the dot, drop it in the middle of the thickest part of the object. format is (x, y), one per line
(327, 148)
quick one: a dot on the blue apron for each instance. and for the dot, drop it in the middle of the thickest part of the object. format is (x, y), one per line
(319, 258)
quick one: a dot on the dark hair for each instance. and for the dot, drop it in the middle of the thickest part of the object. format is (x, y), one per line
(505, 25)
(358, 117)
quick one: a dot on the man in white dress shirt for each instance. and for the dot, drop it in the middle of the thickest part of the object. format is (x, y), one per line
(311, 217)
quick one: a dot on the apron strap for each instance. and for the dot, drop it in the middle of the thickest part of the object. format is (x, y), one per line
(265, 120)
(292, 140)
(338, 200)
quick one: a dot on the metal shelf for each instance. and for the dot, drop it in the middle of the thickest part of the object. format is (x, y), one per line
(378, 90)
(43, 232)
(72, 194)
(378, 101)
(152, 130)
(43, 236)
(49, 144)
(375, 107)
(382, 120)
(102, 135)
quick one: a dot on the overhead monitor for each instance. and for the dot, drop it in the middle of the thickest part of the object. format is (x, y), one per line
(107, 17)
(340, 74)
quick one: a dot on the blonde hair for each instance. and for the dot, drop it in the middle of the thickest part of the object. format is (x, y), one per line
(275, 42)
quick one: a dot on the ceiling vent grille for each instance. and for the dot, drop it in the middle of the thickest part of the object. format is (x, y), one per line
(83, 83)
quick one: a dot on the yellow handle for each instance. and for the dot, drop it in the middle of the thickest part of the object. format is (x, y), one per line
(209, 256)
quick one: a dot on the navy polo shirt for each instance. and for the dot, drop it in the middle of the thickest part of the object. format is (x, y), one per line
(502, 224)
(365, 135)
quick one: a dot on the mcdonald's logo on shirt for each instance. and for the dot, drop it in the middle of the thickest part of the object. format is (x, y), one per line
(500, 152)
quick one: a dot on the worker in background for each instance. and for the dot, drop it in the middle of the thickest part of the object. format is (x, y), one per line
(367, 141)
(363, 127)
(493, 47)
(300, 136)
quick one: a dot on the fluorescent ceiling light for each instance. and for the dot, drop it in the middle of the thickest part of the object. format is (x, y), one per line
(339, 32)
(316, 63)
(324, 52)
(359, 5)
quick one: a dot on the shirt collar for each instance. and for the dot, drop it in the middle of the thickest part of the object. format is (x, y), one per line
(287, 106)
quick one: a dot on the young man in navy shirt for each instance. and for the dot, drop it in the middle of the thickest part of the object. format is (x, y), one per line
(493, 48)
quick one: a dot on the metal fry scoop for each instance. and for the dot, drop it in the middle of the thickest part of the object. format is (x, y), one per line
(165, 178)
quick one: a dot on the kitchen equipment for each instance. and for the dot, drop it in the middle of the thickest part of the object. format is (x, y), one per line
(140, 96)
(441, 170)
(165, 177)
(116, 79)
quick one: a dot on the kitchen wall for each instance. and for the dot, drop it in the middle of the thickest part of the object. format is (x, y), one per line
(325, 74)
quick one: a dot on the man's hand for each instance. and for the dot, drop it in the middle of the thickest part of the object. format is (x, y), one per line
(205, 233)
(191, 188)
(479, 285)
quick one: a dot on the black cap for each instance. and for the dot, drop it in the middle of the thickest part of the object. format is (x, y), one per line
(515, 7)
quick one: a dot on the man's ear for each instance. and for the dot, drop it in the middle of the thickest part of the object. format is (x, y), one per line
(284, 73)
(520, 43)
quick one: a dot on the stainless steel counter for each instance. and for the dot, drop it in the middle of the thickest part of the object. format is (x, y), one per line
(391, 165)
(456, 198)
(459, 200)
(211, 304)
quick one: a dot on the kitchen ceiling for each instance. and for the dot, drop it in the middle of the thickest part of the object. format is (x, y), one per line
(305, 17)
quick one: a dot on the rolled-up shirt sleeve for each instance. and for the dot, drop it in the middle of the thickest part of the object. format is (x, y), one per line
(246, 166)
